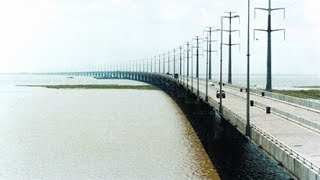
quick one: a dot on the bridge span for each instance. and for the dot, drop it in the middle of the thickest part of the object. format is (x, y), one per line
(287, 128)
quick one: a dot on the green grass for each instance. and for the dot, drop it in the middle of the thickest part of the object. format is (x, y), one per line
(97, 86)
(305, 94)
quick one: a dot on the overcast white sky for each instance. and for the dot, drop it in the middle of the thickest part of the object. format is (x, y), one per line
(41, 35)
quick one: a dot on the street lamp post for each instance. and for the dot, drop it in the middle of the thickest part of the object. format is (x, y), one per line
(210, 53)
(248, 128)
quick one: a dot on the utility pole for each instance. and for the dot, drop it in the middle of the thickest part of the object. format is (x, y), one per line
(210, 63)
(209, 31)
(230, 17)
(220, 109)
(180, 61)
(154, 67)
(137, 66)
(164, 66)
(184, 66)
(208, 59)
(196, 39)
(248, 126)
(207, 68)
(174, 63)
(187, 64)
(269, 31)
(159, 63)
(192, 68)
(169, 63)
(197, 66)
(151, 65)
(155, 64)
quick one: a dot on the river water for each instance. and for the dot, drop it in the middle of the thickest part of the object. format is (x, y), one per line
(95, 134)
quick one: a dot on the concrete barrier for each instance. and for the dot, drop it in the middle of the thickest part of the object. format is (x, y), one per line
(281, 97)
(292, 161)
(297, 119)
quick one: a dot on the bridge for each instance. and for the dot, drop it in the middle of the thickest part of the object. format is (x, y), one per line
(287, 128)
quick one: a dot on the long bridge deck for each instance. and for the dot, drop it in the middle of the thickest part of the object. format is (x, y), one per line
(300, 137)
(291, 127)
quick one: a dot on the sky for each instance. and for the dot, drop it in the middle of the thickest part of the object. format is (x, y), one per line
(56, 35)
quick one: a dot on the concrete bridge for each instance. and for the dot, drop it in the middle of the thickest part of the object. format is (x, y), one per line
(287, 128)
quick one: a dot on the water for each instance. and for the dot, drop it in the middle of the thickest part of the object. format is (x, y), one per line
(278, 81)
(235, 158)
(95, 134)
(113, 134)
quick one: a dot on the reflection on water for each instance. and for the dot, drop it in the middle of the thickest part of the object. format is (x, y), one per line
(91, 134)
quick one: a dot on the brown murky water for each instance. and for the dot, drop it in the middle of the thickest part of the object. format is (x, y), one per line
(95, 134)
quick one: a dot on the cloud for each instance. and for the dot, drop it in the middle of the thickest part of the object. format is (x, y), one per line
(311, 12)
(174, 11)
(36, 34)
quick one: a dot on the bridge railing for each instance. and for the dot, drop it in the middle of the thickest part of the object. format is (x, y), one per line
(296, 119)
(278, 143)
(281, 145)
(282, 97)
(275, 141)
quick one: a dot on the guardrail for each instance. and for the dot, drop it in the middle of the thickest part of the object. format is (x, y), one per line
(289, 99)
(299, 120)
(278, 143)
(275, 141)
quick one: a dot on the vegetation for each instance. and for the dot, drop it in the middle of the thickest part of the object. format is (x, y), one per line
(305, 94)
(307, 86)
(97, 86)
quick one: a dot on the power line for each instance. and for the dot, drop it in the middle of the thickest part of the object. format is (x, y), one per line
(230, 31)
(269, 30)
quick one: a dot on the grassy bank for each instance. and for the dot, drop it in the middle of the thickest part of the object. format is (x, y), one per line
(97, 86)
(305, 94)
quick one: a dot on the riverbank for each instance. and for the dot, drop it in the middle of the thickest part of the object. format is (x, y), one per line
(96, 86)
(305, 94)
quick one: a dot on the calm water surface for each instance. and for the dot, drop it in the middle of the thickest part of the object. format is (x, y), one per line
(95, 134)
(278, 81)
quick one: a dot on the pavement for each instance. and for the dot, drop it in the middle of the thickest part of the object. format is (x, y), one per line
(300, 138)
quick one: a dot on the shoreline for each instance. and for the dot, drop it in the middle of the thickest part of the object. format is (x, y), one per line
(96, 86)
